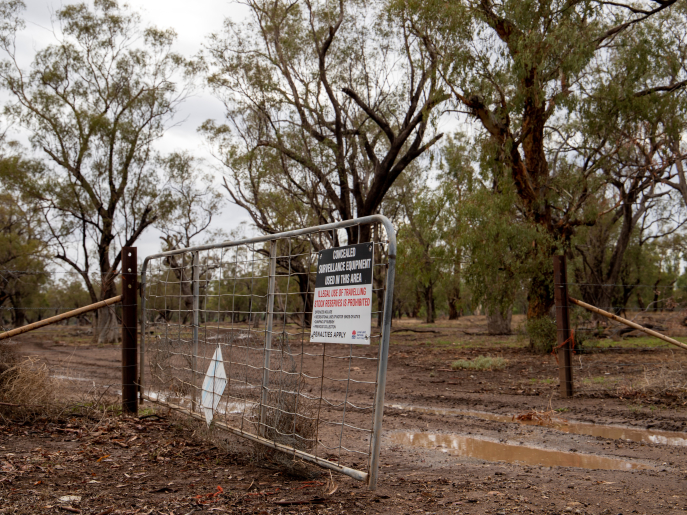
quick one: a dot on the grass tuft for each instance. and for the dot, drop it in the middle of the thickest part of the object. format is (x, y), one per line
(26, 388)
(480, 363)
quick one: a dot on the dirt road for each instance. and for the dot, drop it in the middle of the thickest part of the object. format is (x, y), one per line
(450, 442)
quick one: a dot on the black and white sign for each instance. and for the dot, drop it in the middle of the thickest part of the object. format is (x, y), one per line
(342, 312)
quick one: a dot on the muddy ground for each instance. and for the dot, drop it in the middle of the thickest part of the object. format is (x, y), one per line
(166, 464)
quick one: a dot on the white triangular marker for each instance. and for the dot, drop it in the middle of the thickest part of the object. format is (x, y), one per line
(213, 385)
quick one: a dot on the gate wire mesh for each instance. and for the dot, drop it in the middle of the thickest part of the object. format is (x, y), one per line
(253, 300)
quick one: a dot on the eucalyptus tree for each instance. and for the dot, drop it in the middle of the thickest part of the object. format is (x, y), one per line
(194, 202)
(23, 248)
(93, 104)
(626, 128)
(327, 103)
(422, 242)
(664, 107)
(518, 74)
(499, 250)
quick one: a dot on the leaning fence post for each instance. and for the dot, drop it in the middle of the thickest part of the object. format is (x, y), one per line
(196, 320)
(268, 334)
(129, 330)
(560, 279)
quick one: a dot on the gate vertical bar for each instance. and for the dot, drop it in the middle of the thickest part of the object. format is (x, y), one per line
(129, 330)
(196, 309)
(268, 333)
(142, 341)
(383, 358)
(560, 279)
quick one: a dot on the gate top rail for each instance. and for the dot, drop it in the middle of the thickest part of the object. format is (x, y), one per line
(391, 234)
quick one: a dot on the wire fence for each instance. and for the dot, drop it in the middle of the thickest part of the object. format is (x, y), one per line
(586, 321)
(69, 348)
(31, 295)
(73, 339)
(227, 338)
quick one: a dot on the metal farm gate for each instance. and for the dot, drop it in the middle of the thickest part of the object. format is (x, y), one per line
(225, 338)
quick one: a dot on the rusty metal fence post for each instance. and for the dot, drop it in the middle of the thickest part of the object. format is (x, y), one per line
(129, 330)
(560, 279)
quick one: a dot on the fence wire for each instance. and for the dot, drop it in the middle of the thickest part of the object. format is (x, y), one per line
(231, 322)
(68, 348)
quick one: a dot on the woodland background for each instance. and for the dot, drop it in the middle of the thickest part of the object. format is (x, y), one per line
(494, 135)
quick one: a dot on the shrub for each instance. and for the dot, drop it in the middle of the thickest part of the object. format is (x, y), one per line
(480, 363)
(542, 333)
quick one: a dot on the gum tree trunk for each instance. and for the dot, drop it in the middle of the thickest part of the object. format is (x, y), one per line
(499, 322)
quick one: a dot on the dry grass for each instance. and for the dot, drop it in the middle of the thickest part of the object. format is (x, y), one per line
(667, 379)
(29, 393)
(288, 418)
(26, 388)
(480, 363)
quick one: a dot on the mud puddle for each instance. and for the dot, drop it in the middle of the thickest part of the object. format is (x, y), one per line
(489, 450)
(611, 432)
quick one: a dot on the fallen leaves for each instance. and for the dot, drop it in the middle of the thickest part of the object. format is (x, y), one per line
(314, 500)
(208, 498)
(310, 484)
(70, 498)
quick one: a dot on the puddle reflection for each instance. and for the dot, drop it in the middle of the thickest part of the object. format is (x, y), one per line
(489, 450)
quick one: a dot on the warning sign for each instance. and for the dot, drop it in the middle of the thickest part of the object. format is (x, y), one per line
(342, 312)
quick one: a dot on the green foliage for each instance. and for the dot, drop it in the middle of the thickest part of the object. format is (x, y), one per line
(23, 251)
(529, 73)
(427, 250)
(480, 363)
(501, 250)
(542, 333)
(190, 201)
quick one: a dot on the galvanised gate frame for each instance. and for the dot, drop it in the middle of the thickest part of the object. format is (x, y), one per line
(252, 300)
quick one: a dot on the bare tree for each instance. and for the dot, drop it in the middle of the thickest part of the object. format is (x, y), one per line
(193, 203)
(327, 103)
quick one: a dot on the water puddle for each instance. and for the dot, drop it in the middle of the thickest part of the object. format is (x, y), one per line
(632, 434)
(489, 450)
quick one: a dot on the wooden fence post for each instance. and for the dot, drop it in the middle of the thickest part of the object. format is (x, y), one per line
(560, 279)
(129, 330)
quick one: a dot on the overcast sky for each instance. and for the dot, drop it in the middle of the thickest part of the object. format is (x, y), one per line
(192, 21)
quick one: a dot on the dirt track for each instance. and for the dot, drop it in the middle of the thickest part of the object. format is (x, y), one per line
(639, 388)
